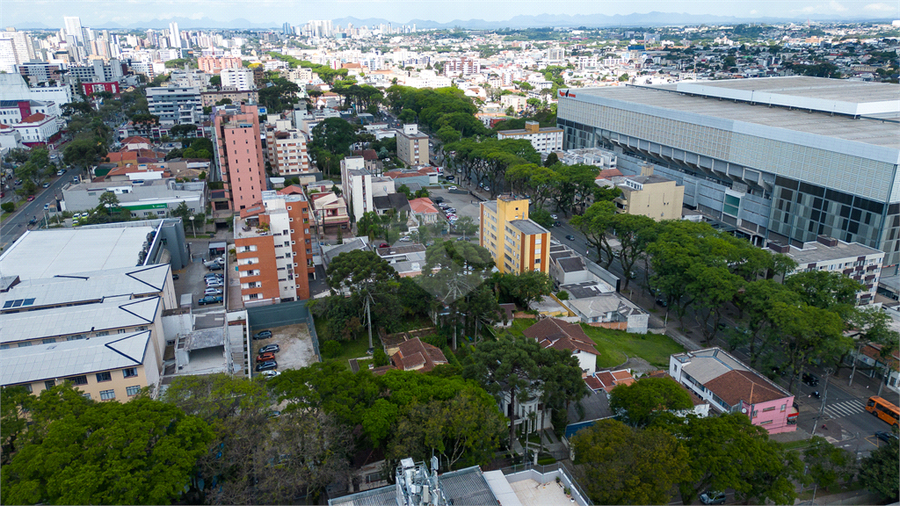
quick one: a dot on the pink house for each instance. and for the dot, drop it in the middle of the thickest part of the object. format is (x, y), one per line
(730, 386)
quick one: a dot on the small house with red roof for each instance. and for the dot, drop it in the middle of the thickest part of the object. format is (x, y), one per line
(730, 386)
(562, 335)
(424, 210)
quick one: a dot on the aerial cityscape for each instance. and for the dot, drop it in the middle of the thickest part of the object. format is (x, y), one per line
(429, 254)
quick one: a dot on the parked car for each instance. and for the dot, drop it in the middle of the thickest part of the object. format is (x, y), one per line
(270, 374)
(450, 178)
(46, 207)
(269, 348)
(437, 200)
(30, 198)
(554, 217)
(174, 276)
(263, 334)
(405, 238)
(570, 237)
(265, 357)
(267, 366)
(215, 267)
(384, 245)
(810, 379)
(210, 299)
(60, 172)
(885, 436)
(212, 291)
(452, 188)
(451, 210)
(46, 185)
(712, 497)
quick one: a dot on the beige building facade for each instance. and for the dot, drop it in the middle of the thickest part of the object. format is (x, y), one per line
(412, 146)
(654, 196)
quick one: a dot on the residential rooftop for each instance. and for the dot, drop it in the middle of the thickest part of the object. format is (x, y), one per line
(815, 252)
(528, 227)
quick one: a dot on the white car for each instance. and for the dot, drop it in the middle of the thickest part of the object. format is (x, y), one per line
(405, 238)
(270, 374)
(452, 188)
(554, 217)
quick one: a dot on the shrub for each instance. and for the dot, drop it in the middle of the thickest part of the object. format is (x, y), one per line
(331, 349)
(562, 295)
(8, 207)
(380, 358)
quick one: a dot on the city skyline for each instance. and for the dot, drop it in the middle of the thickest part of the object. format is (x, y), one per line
(270, 13)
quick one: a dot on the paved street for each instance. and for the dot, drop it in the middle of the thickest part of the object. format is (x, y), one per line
(14, 226)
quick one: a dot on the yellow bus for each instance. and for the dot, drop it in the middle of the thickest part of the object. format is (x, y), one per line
(883, 409)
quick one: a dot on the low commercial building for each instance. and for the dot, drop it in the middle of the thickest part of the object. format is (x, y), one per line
(145, 199)
(543, 139)
(730, 386)
(113, 367)
(856, 261)
(516, 243)
(239, 96)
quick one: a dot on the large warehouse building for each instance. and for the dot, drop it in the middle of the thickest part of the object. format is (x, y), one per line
(777, 159)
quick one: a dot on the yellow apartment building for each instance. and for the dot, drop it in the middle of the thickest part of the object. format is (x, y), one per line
(516, 243)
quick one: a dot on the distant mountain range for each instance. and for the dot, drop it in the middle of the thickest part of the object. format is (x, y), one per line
(517, 22)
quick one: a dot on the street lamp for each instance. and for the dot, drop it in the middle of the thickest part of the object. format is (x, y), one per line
(192, 227)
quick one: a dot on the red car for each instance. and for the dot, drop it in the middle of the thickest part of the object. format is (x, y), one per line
(265, 357)
(30, 198)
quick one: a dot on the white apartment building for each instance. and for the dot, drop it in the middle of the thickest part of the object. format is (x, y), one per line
(856, 261)
(544, 140)
(175, 105)
(286, 149)
(357, 185)
(238, 79)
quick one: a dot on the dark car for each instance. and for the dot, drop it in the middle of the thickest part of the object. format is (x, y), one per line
(269, 348)
(266, 366)
(215, 267)
(570, 237)
(210, 299)
(174, 276)
(810, 379)
(263, 334)
(712, 497)
(885, 436)
(437, 200)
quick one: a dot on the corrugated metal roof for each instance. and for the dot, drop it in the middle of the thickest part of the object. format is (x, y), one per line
(72, 358)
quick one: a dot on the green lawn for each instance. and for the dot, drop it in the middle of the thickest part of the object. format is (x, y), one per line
(354, 349)
(614, 345)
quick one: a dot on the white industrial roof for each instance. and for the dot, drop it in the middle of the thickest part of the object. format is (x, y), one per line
(48, 253)
(707, 365)
(72, 358)
(112, 313)
(86, 287)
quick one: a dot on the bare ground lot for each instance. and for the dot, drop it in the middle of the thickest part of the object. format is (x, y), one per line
(296, 346)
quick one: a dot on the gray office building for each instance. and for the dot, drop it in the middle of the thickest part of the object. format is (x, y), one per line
(777, 159)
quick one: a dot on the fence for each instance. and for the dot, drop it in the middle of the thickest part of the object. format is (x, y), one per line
(286, 313)
(547, 474)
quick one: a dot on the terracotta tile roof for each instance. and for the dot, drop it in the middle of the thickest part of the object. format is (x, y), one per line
(422, 206)
(291, 190)
(35, 118)
(593, 383)
(605, 378)
(608, 173)
(873, 351)
(136, 139)
(735, 386)
(561, 335)
(414, 355)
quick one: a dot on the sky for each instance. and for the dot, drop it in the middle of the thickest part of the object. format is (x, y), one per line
(276, 12)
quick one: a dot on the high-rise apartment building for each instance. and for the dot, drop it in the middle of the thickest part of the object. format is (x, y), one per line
(174, 36)
(239, 154)
(274, 248)
(73, 29)
(412, 146)
(516, 243)
(175, 105)
(286, 149)
(213, 65)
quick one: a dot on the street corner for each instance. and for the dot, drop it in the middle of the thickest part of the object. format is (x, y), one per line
(830, 430)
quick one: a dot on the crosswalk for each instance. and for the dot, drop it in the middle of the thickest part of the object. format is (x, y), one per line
(844, 408)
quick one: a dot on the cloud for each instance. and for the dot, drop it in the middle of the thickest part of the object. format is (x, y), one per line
(880, 8)
(829, 8)
(754, 11)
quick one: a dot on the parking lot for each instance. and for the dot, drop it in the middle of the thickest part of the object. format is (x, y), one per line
(295, 343)
(465, 204)
(191, 280)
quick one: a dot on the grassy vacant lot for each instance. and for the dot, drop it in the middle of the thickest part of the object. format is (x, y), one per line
(354, 349)
(614, 345)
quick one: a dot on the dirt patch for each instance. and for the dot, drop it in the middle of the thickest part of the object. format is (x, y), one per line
(638, 366)
(295, 343)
